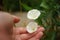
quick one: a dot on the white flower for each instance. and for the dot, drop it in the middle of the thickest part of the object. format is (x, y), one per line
(32, 27)
(33, 14)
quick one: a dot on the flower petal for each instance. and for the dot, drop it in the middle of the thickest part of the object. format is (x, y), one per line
(33, 14)
(32, 27)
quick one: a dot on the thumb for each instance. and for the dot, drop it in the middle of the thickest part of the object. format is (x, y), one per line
(15, 19)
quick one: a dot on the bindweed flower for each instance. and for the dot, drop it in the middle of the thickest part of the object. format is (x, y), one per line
(32, 27)
(33, 14)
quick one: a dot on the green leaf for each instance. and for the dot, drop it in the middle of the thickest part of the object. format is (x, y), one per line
(26, 7)
(44, 5)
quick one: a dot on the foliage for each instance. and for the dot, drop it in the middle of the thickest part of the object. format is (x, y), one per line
(49, 18)
(50, 14)
(11, 5)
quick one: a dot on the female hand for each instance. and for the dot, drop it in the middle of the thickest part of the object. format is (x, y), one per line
(7, 22)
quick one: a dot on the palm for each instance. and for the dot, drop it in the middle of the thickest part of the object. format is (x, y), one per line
(22, 34)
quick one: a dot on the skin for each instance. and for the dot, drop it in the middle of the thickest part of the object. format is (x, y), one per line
(9, 32)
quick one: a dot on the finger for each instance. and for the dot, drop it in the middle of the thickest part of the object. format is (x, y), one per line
(39, 35)
(19, 30)
(17, 37)
(24, 37)
(42, 29)
(37, 39)
(15, 19)
(33, 39)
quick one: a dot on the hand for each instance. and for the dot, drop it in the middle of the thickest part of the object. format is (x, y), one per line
(18, 33)
(22, 34)
(6, 25)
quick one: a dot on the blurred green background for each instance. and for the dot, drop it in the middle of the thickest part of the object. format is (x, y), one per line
(50, 14)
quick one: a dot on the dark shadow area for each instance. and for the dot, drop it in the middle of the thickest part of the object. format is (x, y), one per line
(1, 4)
